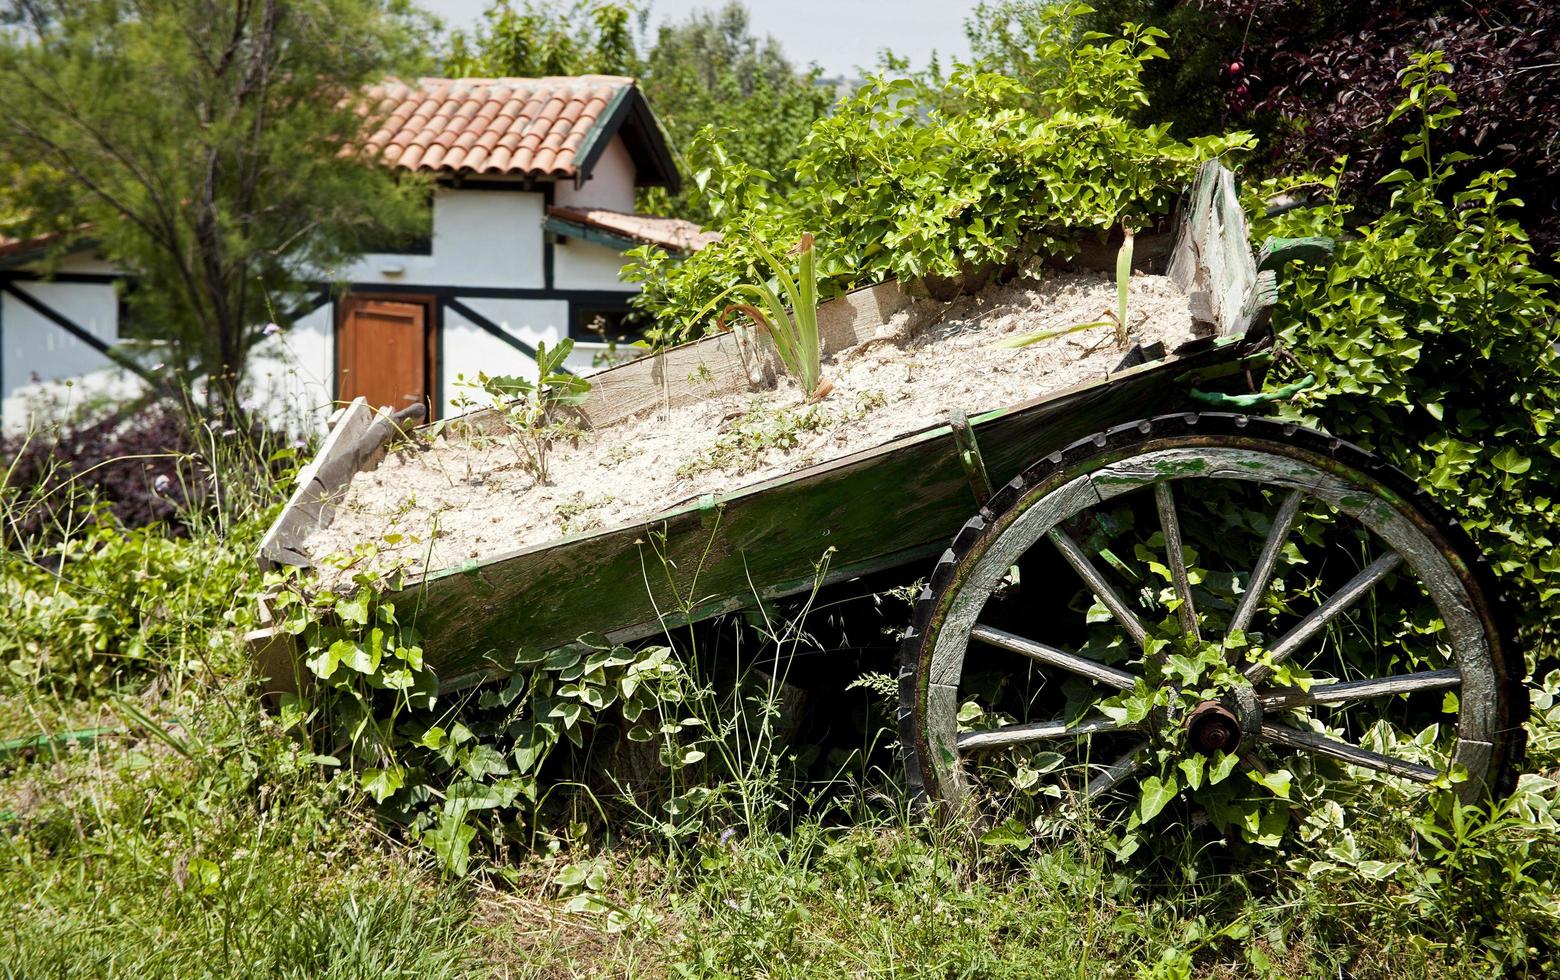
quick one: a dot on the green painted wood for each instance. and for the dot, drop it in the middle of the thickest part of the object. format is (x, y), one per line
(1276, 251)
(881, 508)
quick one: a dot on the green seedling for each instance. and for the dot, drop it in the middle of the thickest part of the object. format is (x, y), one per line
(533, 409)
(1116, 318)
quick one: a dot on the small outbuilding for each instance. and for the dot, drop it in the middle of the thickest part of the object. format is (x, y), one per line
(531, 209)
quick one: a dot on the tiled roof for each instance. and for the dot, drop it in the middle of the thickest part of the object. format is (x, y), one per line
(22, 248)
(516, 126)
(672, 233)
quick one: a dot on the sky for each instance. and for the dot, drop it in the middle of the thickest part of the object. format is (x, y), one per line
(840, 35)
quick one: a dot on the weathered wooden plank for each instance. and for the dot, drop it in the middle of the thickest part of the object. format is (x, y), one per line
(1035, 731)
(1052, 657)
(1212, 255)
(875, 509)
(309, 505)
(1338, 692)
(726, 363)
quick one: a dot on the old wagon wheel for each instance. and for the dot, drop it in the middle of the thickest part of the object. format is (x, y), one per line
(1237, 632)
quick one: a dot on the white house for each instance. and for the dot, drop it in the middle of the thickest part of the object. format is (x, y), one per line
(533, 206)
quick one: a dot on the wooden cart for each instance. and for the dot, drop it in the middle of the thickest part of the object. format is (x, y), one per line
(967, 502)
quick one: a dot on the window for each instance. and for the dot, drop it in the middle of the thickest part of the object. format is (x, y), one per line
(607, 323)
(419, 242)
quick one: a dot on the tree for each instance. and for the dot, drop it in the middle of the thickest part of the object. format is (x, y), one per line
(539, 40)
(711, 70)
(1318, 79)
(212, 149)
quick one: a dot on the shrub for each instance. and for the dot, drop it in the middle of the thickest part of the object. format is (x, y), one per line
(1432, 338)
(111, 602)
(920, 184)
(138, 464)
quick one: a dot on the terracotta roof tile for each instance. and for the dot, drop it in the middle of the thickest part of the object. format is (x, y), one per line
(519, 126)
(673, 233)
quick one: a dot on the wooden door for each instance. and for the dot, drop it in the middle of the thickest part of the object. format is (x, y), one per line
(385, 352)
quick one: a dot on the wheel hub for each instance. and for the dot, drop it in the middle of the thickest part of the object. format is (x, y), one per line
(1212, 727)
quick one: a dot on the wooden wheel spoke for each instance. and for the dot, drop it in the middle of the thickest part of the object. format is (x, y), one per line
(1317, 744)
(1112, 775)
(1317, 619)
(1428, 680)
(1099, 586)
(1170, 524)
(1036, 731)
(1072, 662)
(1256, 585)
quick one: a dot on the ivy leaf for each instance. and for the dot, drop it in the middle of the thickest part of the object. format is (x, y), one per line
(1156, 794)
(482, 760)
(382, 783)
(354, 610)
(1508, 460)
(1009, 834)
(1192, 768)
(1276, 781)
(1222, 767)
(450, 842)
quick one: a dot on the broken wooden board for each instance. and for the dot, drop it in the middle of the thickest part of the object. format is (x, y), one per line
(1212, 258)
(319, 484)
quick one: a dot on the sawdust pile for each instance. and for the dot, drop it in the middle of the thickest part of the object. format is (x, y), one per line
(457, 499)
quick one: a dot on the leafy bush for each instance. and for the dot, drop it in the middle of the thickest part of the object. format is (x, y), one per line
(1432, 338)
(903, 181)
(1319, 80)
(111, 602)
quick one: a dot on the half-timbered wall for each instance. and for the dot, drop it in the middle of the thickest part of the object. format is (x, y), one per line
(497, 285)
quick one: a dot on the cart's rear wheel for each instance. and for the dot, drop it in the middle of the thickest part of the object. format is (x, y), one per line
(1238, 587)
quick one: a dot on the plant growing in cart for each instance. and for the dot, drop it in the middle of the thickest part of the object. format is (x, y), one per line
(535, 410)
(794, 333)
(1111, 318)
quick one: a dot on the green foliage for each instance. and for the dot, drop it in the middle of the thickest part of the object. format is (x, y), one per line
(1432, 336)
(537, 40)
(710, 70)
(436, 768)
(534, 410)
(895, 186)
(110, 603)
(794, 333)
(202, 143)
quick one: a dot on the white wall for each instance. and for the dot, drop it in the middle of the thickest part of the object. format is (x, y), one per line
(611, 183)
(290, 374)
(480, 238)
(469, 349)
(34, 349)
(586, 265)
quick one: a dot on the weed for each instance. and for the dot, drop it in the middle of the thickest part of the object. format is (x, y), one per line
(795, 334)
(575, 515)
(534, 410)
(747, 444)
